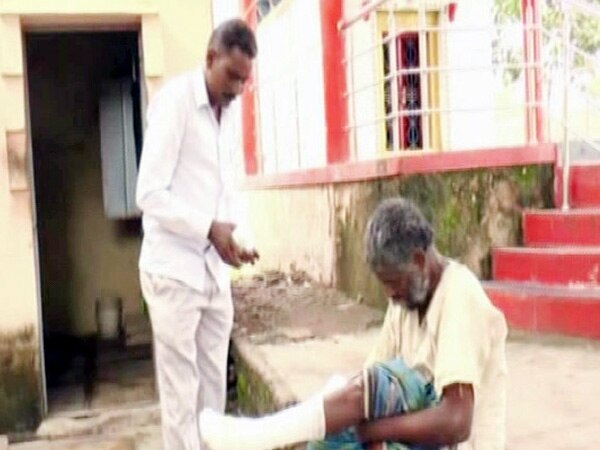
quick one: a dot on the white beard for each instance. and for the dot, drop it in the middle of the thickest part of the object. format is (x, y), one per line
(418, 290)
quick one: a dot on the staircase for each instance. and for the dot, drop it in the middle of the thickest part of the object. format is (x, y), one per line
(552, 284)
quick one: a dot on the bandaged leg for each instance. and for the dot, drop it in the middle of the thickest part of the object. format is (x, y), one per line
(300, 423)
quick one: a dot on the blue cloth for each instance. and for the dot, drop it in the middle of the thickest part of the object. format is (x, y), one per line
(392, 389)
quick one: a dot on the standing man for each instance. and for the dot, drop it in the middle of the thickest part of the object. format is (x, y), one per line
(186, 193)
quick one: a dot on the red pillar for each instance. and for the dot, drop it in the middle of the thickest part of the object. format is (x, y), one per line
(528, 59)
(538, 71)
(532, 41)
(334, 71)
(249, 103)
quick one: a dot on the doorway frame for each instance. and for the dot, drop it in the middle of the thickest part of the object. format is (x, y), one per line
(143, 20)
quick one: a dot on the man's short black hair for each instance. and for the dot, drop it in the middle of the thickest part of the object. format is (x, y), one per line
(234, 33)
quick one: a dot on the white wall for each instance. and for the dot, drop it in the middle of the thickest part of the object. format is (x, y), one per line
(471, 89)
(223, 10)
(291, 87)
(363, 70)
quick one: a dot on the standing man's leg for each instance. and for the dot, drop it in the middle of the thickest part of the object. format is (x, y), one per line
(176, 312)
(213, 345)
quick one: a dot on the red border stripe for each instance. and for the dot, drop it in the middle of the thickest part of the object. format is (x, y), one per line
(409, 164)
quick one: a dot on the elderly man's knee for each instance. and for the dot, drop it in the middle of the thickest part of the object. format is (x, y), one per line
(351, 395)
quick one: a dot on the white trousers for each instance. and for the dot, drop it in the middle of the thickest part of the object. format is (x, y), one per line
(191, 337)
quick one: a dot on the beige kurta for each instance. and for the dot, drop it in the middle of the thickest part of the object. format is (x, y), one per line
(460, 340)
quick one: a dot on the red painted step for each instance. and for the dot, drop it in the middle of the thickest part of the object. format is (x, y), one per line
(584, 185)
(543, 228)
(557, 310)
(551, 265)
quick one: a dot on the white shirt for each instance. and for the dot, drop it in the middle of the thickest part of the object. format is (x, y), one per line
(460, 340)
(186, 180)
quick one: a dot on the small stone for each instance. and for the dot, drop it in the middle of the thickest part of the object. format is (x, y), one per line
(297, 334)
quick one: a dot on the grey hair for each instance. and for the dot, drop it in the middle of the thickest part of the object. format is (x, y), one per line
(395, 230)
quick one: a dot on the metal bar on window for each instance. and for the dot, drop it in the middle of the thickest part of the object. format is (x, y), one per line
(442, 110)
(393, 68)
(362, 13)
(424, 76)
(368, 50)
(437, 69)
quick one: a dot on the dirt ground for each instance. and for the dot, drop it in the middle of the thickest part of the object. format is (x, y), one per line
(268, 303)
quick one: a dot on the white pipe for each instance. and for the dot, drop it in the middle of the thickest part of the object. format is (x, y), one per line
(566, 82)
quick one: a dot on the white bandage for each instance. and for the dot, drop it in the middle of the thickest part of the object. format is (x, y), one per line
(243, 238)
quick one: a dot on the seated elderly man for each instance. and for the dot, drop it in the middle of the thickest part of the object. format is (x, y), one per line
(436, 378)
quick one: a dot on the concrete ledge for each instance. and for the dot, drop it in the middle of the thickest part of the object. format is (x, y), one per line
(289, 339)
(260, 388)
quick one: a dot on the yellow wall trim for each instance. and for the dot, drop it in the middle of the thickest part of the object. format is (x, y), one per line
(154, 57)
(76, 7)
(11, 45)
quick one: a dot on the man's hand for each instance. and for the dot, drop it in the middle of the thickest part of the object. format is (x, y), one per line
(246, 243)
(220, 235)
(249, 256)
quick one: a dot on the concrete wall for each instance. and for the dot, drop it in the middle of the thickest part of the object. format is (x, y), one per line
(320, 229)
(20, 404)
(174, 37)
(295, 229)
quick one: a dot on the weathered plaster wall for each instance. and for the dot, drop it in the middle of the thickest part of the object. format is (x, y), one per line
(174, 36)
(320, 229)
(294, 229)
(20, 406)
(471, 212)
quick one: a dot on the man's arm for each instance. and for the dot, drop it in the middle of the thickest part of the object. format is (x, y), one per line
(162, 146)
(448, 423)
